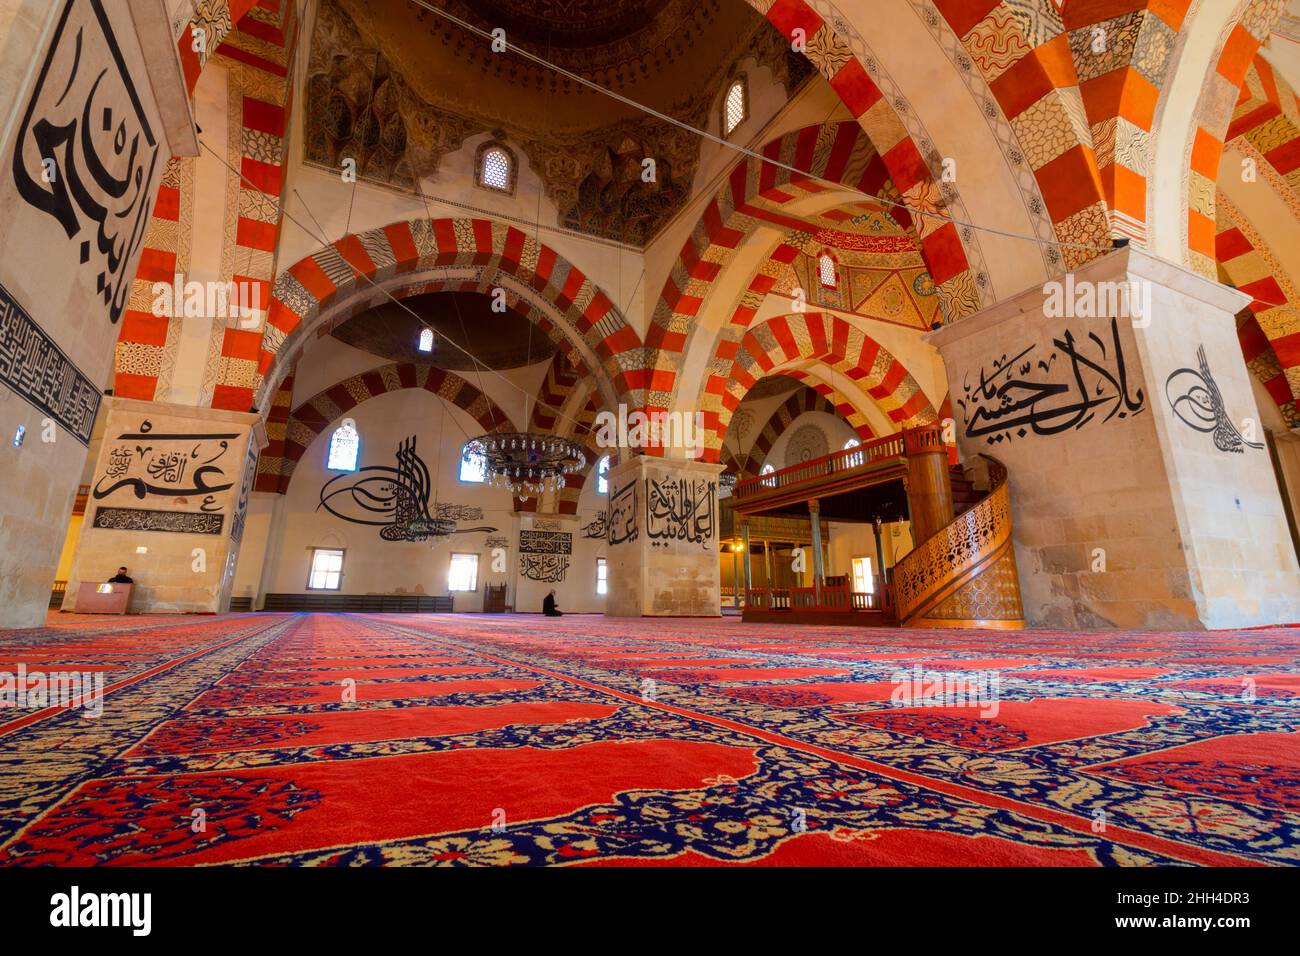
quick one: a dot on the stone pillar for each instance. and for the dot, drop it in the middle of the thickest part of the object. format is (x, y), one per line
(814, 512)
(749, 575)
(168, 499)
(663, 539)
(1141, 490)
(929, 486)
(69, 249)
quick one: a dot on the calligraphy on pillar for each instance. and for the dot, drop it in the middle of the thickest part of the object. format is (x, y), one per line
(624, 511)
(85, 153)
(681, 509)
(1194, 396)
(190, 469)
(544, 555)
(1046, 391)
(37, 370)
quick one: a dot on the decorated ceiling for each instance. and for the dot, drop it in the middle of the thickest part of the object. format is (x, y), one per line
(397, 87)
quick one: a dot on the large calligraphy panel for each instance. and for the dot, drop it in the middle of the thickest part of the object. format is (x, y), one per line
(189, 469)
(86, 153)
(681, 509)
(35, 368)
(1047, 391)
(544, 555)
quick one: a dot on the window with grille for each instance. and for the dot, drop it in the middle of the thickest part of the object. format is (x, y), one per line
(326, 570)
(426, 340)
(602, 577)
(735, 108)
(495, 171)
(826, 270)
(602, 475)
(345, 446)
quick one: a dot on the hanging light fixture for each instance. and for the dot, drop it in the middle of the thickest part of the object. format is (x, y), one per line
(727, 483)
(528, 464)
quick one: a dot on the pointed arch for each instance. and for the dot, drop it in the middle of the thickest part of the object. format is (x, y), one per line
(308, 419)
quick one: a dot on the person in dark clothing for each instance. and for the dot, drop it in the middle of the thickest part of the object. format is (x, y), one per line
(548, 605)
(120, 577)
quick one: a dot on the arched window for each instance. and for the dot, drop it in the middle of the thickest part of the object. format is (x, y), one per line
(602, 475)
(735, 107)
(826, 270)
(426, 340)
(496, 168)
(851, 443)
(473, 468)
(765, 472)
(345, 446)
(857, 458)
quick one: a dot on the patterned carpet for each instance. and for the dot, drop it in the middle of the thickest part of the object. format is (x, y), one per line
(515, 740)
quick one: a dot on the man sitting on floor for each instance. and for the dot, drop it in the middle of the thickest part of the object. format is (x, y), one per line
(548, 605)
(120, 577)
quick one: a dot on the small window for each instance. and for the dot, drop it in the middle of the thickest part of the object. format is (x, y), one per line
(851, 443)
(826, 270)
(602, 475)
(426, 340)
(496, 169)
(602, 577)
(765, 472)
(345, 446)
(863, 580)
(473, 468)
(735, 107)
(326, 570)
(463, 575)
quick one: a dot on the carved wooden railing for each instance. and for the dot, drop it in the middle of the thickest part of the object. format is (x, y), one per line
(838, 462)
(826, 598)
(964, 575)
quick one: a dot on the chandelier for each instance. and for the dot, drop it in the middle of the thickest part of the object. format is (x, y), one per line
(527, 463)
(727, 483)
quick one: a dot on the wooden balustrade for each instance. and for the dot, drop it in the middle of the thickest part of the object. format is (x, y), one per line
(839, 598)
(840, 462)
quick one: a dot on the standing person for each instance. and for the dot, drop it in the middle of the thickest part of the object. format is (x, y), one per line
(548, 606)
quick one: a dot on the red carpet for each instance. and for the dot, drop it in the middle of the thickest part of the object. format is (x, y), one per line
(518, 740)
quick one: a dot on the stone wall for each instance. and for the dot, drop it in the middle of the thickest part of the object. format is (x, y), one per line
(69, 249)
(663, 539)
(168, 501)
(1126, 514)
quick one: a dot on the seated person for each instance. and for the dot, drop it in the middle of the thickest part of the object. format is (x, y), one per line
(120, 577)
(548, 605)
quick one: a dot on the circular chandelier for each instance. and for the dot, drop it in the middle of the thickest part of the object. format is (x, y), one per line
(727, 483)
(526, 463)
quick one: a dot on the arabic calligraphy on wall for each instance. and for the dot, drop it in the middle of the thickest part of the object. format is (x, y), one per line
(86, 153)
(1194, 396)
(37, 370)
(141, 519)
(396, 499)
(624, 511)
(544, 555)
(681, 509)
(147, 463)
(1046, 392)
(598, 527)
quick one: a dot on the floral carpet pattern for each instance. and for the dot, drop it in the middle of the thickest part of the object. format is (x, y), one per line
(511, 740)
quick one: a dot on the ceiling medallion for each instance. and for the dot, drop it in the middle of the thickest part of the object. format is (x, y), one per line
(527, 463)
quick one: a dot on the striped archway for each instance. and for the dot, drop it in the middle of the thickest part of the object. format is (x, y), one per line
(487, 253)
(803, 400)
(291, 433)
(837, 152)
(804, 342)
